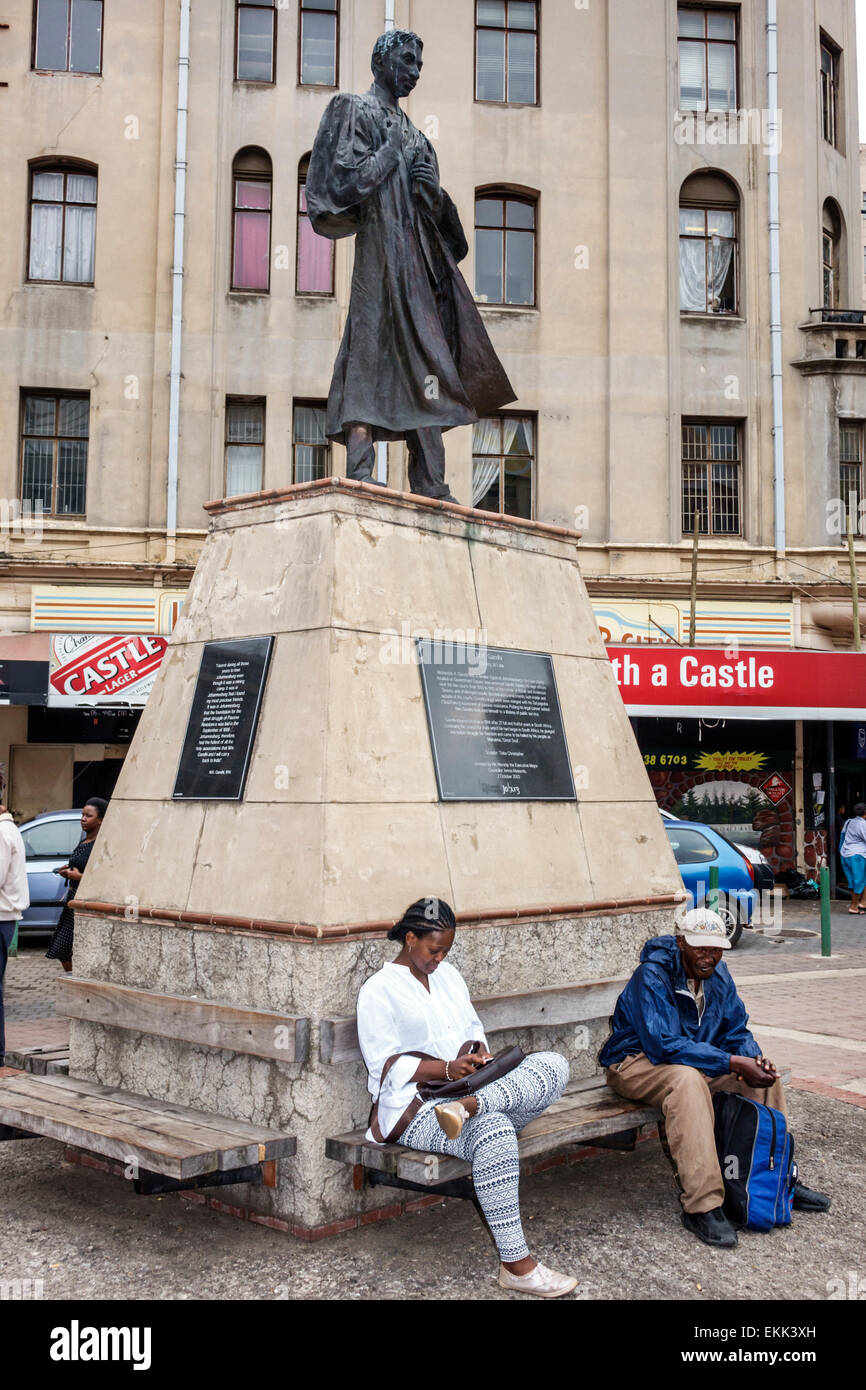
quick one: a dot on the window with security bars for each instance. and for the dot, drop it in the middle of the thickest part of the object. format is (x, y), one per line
(851, 472)
(255, 41)
(54, 435)
(311, 448)
(245, 445)
(318, 44)
(830, 56)
(62, 225)
(67, 36)
(707, 42)
(711, 478)
(506, 52)
(503, 464)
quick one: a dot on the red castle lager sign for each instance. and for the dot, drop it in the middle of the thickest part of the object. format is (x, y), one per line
(88, 669)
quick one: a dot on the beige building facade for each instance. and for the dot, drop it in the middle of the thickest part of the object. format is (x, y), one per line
(611, 161)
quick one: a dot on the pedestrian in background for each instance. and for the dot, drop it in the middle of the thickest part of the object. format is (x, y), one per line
(853, 853)
(91, 823)
(14, 898)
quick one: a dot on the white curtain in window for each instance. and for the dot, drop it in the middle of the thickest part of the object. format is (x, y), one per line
(45, 233)
(517, 435)
(485, 471)
(243, 469)
(693, 275)
(78, 244)
(721, 253)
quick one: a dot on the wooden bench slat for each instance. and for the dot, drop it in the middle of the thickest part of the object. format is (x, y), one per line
(580, 1117)
(50, 1106)
(253, 1032)
(242, 1129)
(338, 1037)
(41, 1061)
(147, 1119)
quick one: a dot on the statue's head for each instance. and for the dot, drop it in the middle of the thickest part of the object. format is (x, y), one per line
(397, 61)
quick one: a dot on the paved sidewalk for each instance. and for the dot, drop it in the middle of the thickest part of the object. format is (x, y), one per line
(806, 1011)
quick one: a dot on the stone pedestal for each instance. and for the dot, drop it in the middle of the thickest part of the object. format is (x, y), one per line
(281, 901)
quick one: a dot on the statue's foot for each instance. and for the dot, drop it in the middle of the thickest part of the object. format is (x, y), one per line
(365, 478)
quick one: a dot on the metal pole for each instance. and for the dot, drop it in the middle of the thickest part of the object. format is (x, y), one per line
(825, 911)
(177, 272)
(831, 805)
(713, 894)
(855, 594)
(774, 233)
(693, 600)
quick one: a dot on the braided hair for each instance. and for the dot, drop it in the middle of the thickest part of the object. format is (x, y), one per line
(425, 915)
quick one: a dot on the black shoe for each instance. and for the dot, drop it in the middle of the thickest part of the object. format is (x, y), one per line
(712, 1227)
(807, 1200)
(365, 478)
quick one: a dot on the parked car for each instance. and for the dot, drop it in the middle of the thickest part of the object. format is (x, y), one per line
(49, 840)
(696, 847)
(765, 879)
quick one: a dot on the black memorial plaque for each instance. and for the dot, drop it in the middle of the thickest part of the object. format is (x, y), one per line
(495, 723)
(222, 722)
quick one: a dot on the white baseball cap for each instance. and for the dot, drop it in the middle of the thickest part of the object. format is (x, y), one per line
(701, 927)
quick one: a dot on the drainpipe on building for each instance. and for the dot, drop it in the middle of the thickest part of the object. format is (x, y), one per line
(177, 285)
(382, 447)
(775, 285)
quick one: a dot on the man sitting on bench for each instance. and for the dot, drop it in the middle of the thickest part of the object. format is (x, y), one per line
(678, 1034)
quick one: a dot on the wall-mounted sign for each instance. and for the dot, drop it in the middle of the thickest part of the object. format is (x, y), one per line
(681, 681)
(223, 719)
(717, 622)
(23, 682)
(92, 669)
(776, 788)
(121, 608)
(495, 725)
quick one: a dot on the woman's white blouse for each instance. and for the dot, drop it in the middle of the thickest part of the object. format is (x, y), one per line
(396, 1014)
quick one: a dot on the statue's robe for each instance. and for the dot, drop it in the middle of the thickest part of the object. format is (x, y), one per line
(415, 352)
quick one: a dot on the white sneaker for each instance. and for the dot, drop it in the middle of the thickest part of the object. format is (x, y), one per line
(452, 1117)
(541, 1281)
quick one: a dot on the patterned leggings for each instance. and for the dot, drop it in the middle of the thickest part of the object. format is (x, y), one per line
(489, 1141)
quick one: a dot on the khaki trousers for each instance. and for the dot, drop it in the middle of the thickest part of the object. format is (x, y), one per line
(685, 1097)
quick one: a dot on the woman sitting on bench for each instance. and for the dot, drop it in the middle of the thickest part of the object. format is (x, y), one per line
(419, 1003)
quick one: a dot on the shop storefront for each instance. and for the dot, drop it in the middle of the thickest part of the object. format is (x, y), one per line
(72, 691)
(762, 744)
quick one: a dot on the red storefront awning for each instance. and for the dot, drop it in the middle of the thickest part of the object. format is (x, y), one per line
(702, 682)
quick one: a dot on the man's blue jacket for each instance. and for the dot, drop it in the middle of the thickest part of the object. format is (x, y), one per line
(657, 1014)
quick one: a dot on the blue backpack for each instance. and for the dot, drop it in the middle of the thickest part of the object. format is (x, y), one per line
(756, 1156)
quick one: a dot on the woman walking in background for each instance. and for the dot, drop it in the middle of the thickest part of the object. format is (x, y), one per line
(91, 822)
(853, 855)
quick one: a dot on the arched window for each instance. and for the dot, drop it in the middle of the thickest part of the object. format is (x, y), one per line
(251, 240)
(314, 272)
(831, 254)
(62, 223)
(709, 269)
(505, 224)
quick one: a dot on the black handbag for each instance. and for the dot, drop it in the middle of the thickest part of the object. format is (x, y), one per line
(498, 1066)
